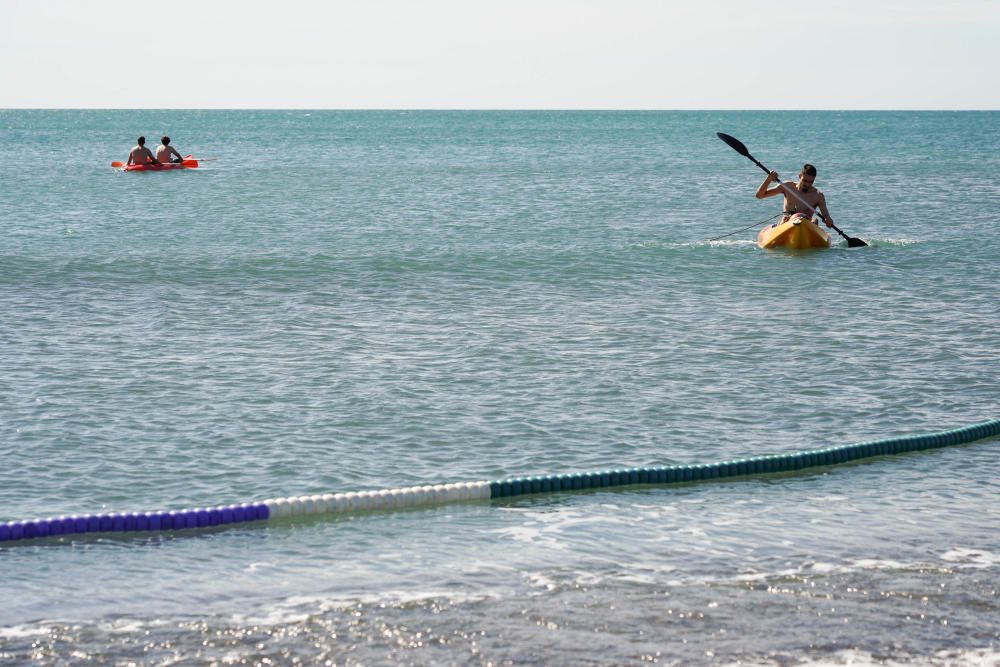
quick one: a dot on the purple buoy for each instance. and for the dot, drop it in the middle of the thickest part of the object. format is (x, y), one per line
(30, 529)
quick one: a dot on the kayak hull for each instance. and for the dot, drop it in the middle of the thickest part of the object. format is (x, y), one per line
(155, 167)
(187, 163)
(798, 232)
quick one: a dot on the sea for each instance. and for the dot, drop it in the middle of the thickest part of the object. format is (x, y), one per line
(354, 300)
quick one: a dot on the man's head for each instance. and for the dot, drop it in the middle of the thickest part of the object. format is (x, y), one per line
(806, 177)
(166, 141)
(141, 141)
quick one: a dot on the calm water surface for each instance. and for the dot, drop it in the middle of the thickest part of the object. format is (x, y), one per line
(359, 300)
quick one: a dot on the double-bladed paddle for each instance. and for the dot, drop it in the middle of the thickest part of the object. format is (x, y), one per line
(737, 145)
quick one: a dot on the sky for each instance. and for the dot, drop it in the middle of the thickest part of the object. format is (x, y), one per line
(503, 54)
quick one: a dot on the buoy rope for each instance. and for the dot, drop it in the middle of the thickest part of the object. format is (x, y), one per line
(67, 527)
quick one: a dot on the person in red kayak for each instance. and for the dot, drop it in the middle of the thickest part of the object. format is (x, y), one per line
(140, 154)
(166, 154)
(803, 189)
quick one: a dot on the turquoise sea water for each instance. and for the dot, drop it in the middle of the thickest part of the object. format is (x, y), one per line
(360, 300)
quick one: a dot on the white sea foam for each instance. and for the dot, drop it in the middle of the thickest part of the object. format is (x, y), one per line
(254, 567)
(971, 558)
(21, 631)
(299, 608)
(965, 657)
(126, 625)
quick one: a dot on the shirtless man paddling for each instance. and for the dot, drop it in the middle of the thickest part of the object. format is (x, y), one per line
(803, 188)
(140, 154)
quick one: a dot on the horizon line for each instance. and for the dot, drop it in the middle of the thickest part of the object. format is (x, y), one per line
(514, 109)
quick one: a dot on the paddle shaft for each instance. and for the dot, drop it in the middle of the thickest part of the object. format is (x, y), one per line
(787, 189)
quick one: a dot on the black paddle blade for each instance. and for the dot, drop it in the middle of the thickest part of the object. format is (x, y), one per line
(854, 242)
(734, 143)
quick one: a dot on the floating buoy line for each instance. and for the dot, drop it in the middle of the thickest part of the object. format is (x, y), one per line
(144, 523)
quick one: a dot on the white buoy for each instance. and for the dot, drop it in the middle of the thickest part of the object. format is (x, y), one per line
(340, 503)
(327, 500)
(276, 506)
(352, 502)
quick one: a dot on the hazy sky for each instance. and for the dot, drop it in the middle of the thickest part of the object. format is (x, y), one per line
(474, 54)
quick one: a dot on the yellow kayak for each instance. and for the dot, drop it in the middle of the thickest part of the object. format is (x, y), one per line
(797, 232)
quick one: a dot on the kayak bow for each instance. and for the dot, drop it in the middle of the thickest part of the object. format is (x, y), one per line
(797, 232)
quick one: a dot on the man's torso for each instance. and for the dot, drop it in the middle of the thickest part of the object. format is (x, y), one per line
(141, 155)
(163, 153)
(793, 205)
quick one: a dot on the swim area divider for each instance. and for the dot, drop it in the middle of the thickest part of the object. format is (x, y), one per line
(442, 494)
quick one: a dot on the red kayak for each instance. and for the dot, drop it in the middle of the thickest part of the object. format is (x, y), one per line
(188, 163)
(161, 167)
